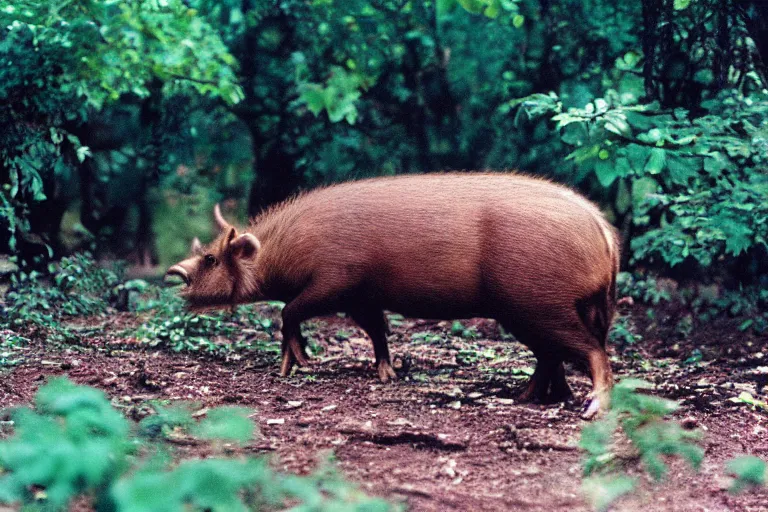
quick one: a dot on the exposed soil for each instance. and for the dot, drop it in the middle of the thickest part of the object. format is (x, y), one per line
(449, 434)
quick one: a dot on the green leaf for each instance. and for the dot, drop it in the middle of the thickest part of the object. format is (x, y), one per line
(445, 6)
(518, 20)
(681, 4)
(83, 152)
(602, 491)
(682, 169)
(227, 423)
(749, 470)
(656, 161)
(642, 188)
(473, 6)
(606, 172)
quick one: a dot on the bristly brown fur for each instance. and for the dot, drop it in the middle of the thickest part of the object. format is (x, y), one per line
(535, 255)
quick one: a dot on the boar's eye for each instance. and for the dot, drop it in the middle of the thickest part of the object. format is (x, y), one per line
(209, 260)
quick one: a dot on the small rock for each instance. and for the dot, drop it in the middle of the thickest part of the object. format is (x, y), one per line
(400, 422)
(293, 404)
(449, 469)
(328, 408)
(689, 423)
(455, 405)
(305, 421)
(276, 421)
(355, 427)
(455, 392)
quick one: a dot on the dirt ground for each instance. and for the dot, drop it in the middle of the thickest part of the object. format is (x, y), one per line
(449, 434)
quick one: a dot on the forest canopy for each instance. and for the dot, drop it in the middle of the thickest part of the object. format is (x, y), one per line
(124, 122)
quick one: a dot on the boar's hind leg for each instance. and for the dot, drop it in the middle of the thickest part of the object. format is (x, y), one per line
(560, 391)
(602, 381)
(538, 385)
(547, 384)
(374, 323)
(583, 347)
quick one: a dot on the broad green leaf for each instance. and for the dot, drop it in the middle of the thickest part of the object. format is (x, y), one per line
(606, 172)
(656, 162)
(473, 6)
(681, 168)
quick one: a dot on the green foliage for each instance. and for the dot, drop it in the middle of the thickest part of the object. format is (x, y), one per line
(751, 303)
(11, 346)
(693, 185)
(223, 423)
(74, 286)
(747, 399)
(602, 491)
(458, 329)
(74, 443)
(748, 470)
(623, 332)
(61, 62)
(171, 325)
(644, 289)
(638, 418)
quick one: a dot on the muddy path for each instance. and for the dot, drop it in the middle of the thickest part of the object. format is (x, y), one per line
(449, 434)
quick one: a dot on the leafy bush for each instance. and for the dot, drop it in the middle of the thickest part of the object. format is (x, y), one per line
(171, 325)
(639, 419)
(694, 186)
(623, 332)
(749, 471)
(645, 289)
(10, 346)
(74, 443)
(748, 302)
(76, 286)
(82, 58)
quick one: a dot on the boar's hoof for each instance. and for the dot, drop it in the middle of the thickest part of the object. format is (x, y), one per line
(591, 407)
(386, 373)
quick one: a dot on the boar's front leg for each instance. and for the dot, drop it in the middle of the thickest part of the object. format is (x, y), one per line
(374, 323)
(292, 349)
(319, 298)
(303, 307)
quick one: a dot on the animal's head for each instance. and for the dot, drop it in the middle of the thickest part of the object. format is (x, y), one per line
(221, 273)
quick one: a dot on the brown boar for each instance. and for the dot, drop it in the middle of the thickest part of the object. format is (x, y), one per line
(533, 255)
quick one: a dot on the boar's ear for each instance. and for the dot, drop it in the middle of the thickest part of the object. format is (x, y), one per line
(197, 247)
(245, 246)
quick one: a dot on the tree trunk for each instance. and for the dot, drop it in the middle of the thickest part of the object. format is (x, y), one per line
(275, 177)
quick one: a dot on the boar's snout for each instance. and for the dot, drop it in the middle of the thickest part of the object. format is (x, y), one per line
(179, 271)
